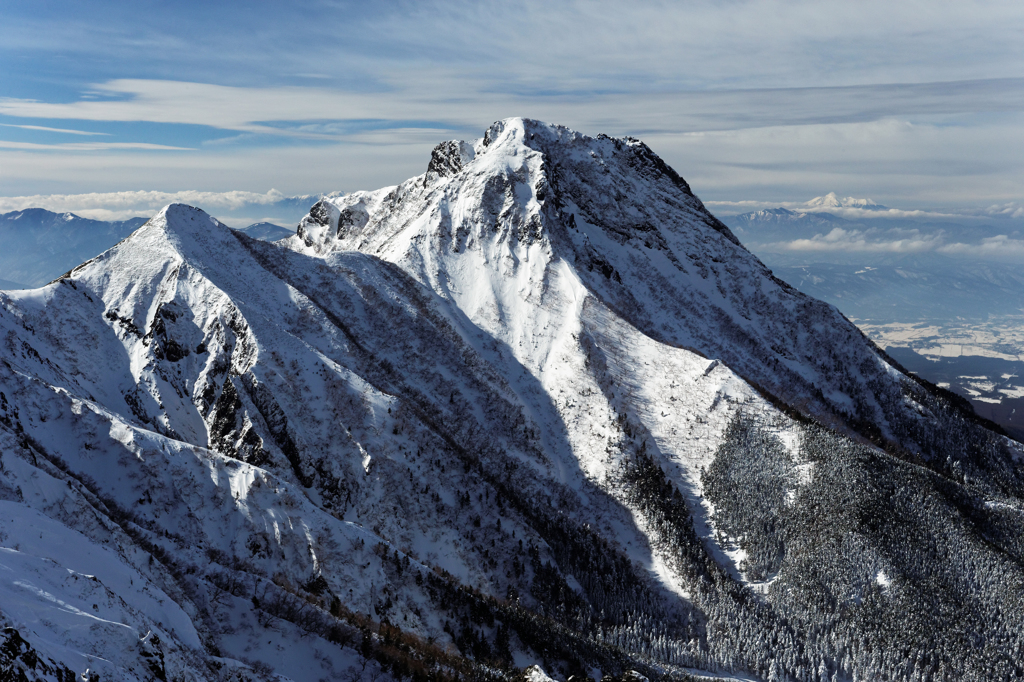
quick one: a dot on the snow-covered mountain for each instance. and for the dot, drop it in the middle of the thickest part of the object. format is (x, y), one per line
(535, 406)
(830, 201)
(812, 217)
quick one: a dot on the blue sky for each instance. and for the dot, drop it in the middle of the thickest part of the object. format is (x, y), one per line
(913, 104)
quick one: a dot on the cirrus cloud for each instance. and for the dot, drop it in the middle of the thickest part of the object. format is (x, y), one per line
(805, 93)
(89, 146)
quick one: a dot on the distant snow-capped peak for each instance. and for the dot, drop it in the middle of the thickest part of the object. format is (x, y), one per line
(830, 200)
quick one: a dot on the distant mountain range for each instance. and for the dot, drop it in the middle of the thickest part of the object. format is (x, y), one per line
(775, 223)
(922, 290)
(807, 221)
(771, 228)
(37, 245)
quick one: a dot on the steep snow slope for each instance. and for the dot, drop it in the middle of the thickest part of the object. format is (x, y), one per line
(534, 406)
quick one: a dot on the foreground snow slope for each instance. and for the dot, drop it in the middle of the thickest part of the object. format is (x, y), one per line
(534, 406)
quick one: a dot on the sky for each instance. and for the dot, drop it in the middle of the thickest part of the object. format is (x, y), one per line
(109, 107)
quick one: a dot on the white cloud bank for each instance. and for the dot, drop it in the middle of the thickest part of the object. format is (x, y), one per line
(843, 240)
(838, 240)
(999, 247)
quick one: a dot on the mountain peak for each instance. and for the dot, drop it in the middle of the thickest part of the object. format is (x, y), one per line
(183, 220)
(566, 216)
(524, 181)
(177, 231)
(831, 200)
(447, 159)
(554, 141)
(183, 212)
(517, 128)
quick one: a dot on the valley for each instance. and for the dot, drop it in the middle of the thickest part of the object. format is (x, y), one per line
(982, 361)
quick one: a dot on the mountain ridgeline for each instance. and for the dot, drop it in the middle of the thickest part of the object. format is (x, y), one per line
(534, 407)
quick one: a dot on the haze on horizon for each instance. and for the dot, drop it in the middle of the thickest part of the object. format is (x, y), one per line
(916, 105)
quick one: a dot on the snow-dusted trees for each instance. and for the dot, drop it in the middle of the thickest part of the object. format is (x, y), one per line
(878, 568)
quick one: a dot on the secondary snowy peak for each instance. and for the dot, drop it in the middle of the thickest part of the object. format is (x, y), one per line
(175, 228)
(183, 223)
